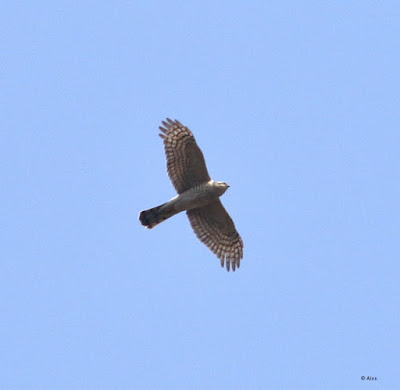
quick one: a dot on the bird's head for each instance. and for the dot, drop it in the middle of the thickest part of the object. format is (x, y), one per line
(222, 186)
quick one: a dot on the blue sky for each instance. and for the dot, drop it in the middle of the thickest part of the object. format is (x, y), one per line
(294, 104)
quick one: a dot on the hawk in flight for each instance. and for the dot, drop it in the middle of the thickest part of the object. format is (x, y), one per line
(198, 195)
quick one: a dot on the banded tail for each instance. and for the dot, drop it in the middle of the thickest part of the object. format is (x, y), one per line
(152, 217)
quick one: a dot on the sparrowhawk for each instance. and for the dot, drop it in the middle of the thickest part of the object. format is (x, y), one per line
(198, 195)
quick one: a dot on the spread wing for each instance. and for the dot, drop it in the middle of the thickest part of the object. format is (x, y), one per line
(215, 228)
(185, 161)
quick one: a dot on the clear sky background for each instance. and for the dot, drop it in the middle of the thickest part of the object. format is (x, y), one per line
(295, 105)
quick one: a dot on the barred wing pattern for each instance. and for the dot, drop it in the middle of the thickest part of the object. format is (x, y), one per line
(215, 228)
(185, 161)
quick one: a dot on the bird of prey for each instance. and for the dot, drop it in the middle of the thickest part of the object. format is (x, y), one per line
(198, 195)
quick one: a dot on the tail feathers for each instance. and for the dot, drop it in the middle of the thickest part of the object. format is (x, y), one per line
(154, 216)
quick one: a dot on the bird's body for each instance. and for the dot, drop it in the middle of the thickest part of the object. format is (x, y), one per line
(198, 195)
